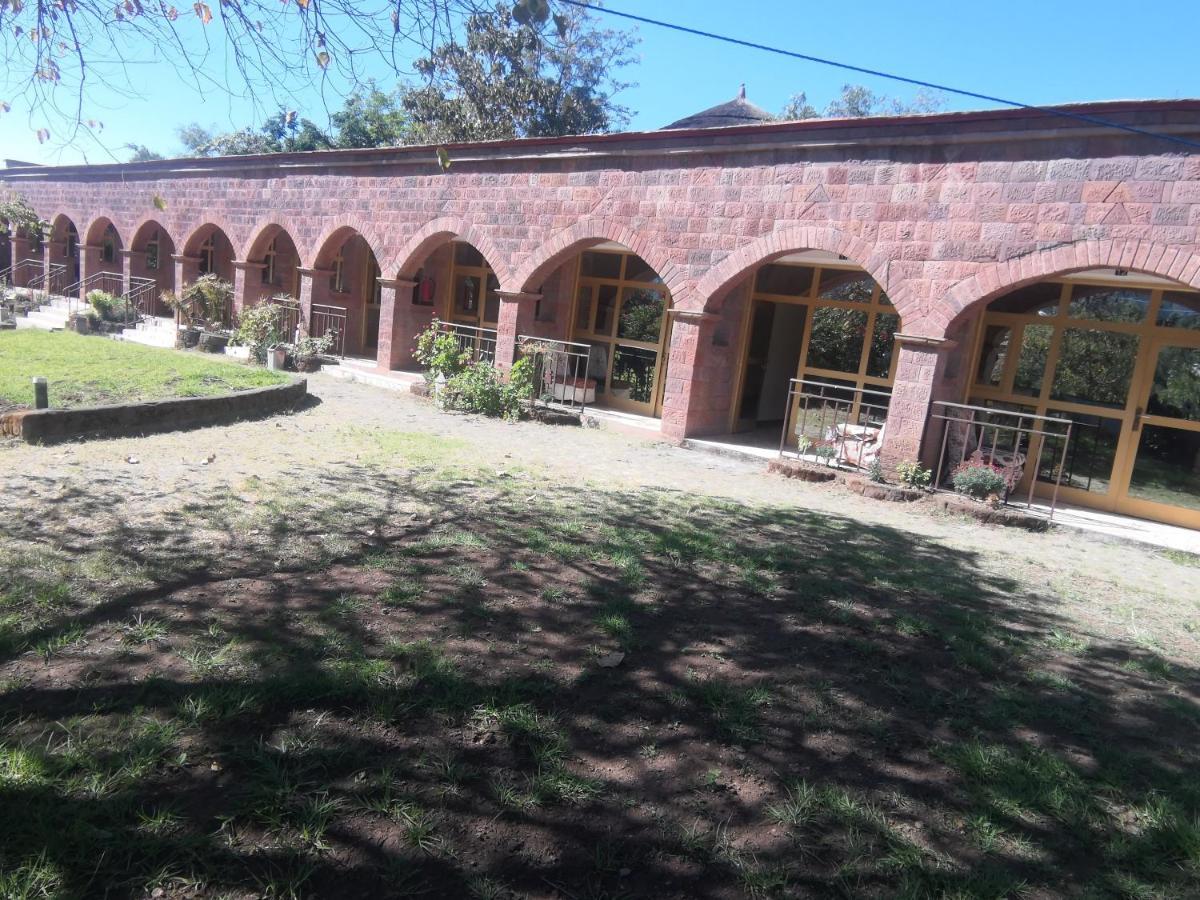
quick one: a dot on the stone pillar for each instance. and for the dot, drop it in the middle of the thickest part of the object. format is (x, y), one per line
(22, 249)
(246, 281)
(689, 395)
(919, 370)
(516, 318)
(89, 264)
(399, 322)
(127, 264)
(307, 278)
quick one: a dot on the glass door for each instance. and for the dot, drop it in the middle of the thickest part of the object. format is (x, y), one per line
(1164, 473)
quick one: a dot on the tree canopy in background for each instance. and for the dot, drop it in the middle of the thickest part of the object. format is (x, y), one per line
(857, 101)
(506, 78)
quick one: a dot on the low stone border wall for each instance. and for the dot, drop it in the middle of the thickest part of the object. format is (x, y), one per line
(50, 426)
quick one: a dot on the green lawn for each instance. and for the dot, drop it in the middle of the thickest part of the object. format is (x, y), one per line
(86, 371)
(394, 677)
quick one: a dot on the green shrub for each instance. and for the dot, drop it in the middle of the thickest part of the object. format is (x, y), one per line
(481, 388)
(979, 480)
(914, 474)
(205, 303)
(259, 328)
(108, 307)
(875, 471)
(440, 353)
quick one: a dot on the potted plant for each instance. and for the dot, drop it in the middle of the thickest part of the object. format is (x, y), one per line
(202, 308)
(307, 352)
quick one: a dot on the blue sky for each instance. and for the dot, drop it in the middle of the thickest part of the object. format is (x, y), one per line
(1038, 52)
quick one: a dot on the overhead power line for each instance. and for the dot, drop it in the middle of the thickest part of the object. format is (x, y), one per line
(726, 39)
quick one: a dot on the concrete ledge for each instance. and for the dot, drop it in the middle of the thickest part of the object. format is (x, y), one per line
(790, 468)
(1003, 515)
(50, 426)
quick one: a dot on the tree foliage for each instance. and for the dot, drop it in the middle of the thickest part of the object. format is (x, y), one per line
(18, 216)
(856, 101)
(512, 78)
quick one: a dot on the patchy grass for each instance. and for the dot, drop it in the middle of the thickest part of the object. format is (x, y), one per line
(87, 371)
(383, 678)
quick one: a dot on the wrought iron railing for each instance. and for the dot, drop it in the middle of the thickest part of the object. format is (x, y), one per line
(835, 423)
(480, 343)
(329, 321)
(29, 267)
(49, 281)
(139, 299)
(560, 372)
(1011, 442)
(290, 319)
(109, 282)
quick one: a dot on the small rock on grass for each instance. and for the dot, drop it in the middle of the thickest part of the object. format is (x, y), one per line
(611, 660)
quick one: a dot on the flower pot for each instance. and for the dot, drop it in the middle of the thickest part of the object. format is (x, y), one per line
(186, 338)
(81, 324)
(277, 358)
(211, 342)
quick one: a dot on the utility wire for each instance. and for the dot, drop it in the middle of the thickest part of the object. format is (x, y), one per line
(1066, 114)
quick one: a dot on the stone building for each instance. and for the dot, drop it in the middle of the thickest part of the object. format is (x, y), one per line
(1012, 259)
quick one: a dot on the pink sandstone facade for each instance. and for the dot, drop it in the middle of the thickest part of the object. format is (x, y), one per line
(945, 212)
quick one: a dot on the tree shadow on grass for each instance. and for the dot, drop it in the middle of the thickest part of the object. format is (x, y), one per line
(360, 681)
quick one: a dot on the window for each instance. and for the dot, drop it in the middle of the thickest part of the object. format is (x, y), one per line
(108, 245)
(207, 256)
(337, 281)
(474, 299)
(268, 269)
(620, 311)
(152, 253)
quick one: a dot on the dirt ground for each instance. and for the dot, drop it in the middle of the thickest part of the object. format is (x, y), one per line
(374, 649)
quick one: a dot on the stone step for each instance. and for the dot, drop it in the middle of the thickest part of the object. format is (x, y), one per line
(45, 318)
(150, 337)
(393, 381)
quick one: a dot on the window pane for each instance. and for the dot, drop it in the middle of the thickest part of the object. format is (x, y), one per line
(879, 358)
(491, 307)
(606, 302)
(583, 308)
(1031, 364)
(1107, 304)
(856, 287)
(794, 281)
(600, 265)
(466, 294)
(466, 255)
(1167, 468)
(1094, 367)
(633, 373)
(1090, 453)
(1036, 299)
(1179, 310)
(637, 269)
(993, 355)
(597, 366)
(837, 337)
(641, 315)
(1176, 389)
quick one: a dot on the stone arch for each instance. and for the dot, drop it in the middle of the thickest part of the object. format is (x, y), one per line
(94, 232)
(778, 243)
(138, 234)
(59, 225)
(191, 246)
(263, 232)
(1176, 263)
(440, 231)
(343, 228)
(587, 233)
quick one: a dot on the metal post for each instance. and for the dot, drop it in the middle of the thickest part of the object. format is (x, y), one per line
(41, 393)
(1058, 476)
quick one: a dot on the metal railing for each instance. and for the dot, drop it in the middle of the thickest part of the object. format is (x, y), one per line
(49, 281)
(109, 282)
(838, 424)
(560, 372)
(8, 275)
(290, 319)
(480, 343)
(139, 299)
(329, 321)
(1004, 440)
